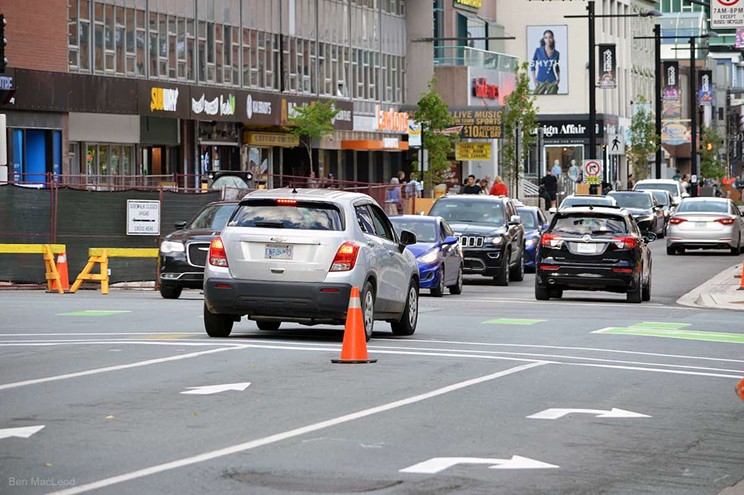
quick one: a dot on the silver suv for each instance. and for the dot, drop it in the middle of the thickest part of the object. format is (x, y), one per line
(294, 254)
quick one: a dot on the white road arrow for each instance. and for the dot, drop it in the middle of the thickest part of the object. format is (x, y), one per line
(438, 464)
(23, 432)
(613, 413)
(216, 389)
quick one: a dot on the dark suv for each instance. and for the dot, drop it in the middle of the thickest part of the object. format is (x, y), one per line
(183, 253)
(594, 248)
(490, 232)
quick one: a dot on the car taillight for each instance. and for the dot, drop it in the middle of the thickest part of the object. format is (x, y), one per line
(725, 221)
(346, 257)
(627, 242)
(677, 220)
(217, 255)
(551, 240)
(622, 270)
(550, 268)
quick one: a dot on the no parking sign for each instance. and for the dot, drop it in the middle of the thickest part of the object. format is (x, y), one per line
(593, 171)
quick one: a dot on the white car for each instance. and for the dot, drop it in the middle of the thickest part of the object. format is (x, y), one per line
(674, 187)
(706, 223)
(293, 255)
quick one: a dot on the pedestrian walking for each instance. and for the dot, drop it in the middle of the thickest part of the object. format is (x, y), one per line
(392, 197)
(550, 185)
(470, 186)
(499, 188)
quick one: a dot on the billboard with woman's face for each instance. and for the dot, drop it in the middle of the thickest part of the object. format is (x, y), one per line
(547, 52)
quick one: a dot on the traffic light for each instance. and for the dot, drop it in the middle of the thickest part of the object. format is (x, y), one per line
(709, 146)
(3, 42)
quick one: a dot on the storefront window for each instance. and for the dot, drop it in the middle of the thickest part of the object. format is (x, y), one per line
(563, 155)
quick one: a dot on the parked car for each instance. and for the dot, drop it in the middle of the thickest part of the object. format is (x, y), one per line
(534, 223)
(183, 253)
(437, 251)
(667, 204)
(646, 211)
(674, 187)
(706, 223)
(490, 232)
(234, 184)
(584, 200)
(594, 248)
(293, 255)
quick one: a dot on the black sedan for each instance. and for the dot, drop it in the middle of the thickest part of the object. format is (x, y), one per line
(183, 253)
(597, 249)
(645, 209)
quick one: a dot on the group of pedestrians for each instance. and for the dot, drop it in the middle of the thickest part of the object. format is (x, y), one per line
(474, 186)
(400, 189)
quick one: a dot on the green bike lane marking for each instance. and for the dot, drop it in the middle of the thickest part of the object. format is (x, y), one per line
(512, 321)
(93, 312)
(733, 338)
(658, 324)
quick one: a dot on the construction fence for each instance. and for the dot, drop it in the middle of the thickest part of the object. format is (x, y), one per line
(83, 219)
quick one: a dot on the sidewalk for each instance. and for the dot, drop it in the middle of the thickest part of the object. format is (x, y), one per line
(720, 292)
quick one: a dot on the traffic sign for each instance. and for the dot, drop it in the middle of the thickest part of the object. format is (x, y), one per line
(726, 14)
(615, 144)
(143, 217)
(592, 168)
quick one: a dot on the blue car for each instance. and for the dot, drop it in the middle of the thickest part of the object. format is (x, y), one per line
(534, 223)
(437, 252)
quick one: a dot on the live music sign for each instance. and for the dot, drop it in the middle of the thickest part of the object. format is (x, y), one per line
(481, 89)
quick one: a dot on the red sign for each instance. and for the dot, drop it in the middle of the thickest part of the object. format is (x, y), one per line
(481, 89)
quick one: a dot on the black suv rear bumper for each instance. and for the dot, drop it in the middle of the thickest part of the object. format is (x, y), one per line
(277, 300)
(584, 278)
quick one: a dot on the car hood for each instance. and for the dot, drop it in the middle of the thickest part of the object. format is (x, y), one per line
(205, 235)
(476, 229)
(421, 247)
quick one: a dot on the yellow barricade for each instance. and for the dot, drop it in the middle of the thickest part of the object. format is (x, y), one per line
(101, 256)
(48, 251)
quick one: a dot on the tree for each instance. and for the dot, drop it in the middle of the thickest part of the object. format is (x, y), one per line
(643, 139)
(312, 121)
(433, 115)
(710, 166)
(520, 122)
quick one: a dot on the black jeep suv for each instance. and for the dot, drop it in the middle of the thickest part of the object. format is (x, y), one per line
(490, 232)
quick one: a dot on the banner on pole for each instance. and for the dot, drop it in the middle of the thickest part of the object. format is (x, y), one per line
(671, 80)
(705, 88)
(608, 66)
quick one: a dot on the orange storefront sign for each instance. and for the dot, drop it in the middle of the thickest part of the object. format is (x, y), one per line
(386, 144)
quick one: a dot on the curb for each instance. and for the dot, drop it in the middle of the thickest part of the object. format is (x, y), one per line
(704, 296)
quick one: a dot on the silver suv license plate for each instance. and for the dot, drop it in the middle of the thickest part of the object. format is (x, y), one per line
(278, 251)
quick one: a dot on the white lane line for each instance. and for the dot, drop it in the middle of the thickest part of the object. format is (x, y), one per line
(638, 368)
(168, 342)
(242, 447)
(78, 334)
(590, 304)
(96, 371)
(568, 348)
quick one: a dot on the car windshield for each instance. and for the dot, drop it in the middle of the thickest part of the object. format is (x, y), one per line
(483, 212)
(583, 224)
(598, 201)
(298, 215)
(703, 206)
(632, 200)
(670, 188)
(425, 231)
(662, 197)
(213, 217)
(528, 219)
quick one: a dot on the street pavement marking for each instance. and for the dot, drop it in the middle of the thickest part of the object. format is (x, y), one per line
(253, 444)
(512, 321)
(730, 338)
(93, 312)
(77, 334)
(658, 324)
(165, 336)
(114, 368)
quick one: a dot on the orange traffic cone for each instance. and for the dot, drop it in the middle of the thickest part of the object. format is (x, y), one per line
(354, 347)
(741, 280)
(64, 276)
(740, 389)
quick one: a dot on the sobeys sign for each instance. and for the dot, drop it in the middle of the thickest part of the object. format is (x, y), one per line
(471, 4)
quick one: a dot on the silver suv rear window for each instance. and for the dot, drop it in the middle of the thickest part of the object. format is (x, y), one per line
(288, 214)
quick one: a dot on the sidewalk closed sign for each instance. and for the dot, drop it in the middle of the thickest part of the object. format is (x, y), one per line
(473, 151)
(725, 14)
(143, 217)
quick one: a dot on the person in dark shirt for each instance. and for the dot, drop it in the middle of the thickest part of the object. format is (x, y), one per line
(470, 186)
(550, 183)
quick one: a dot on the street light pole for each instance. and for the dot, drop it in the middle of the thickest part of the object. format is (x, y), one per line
(694, 172)
(592, 88)
(657, 92)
